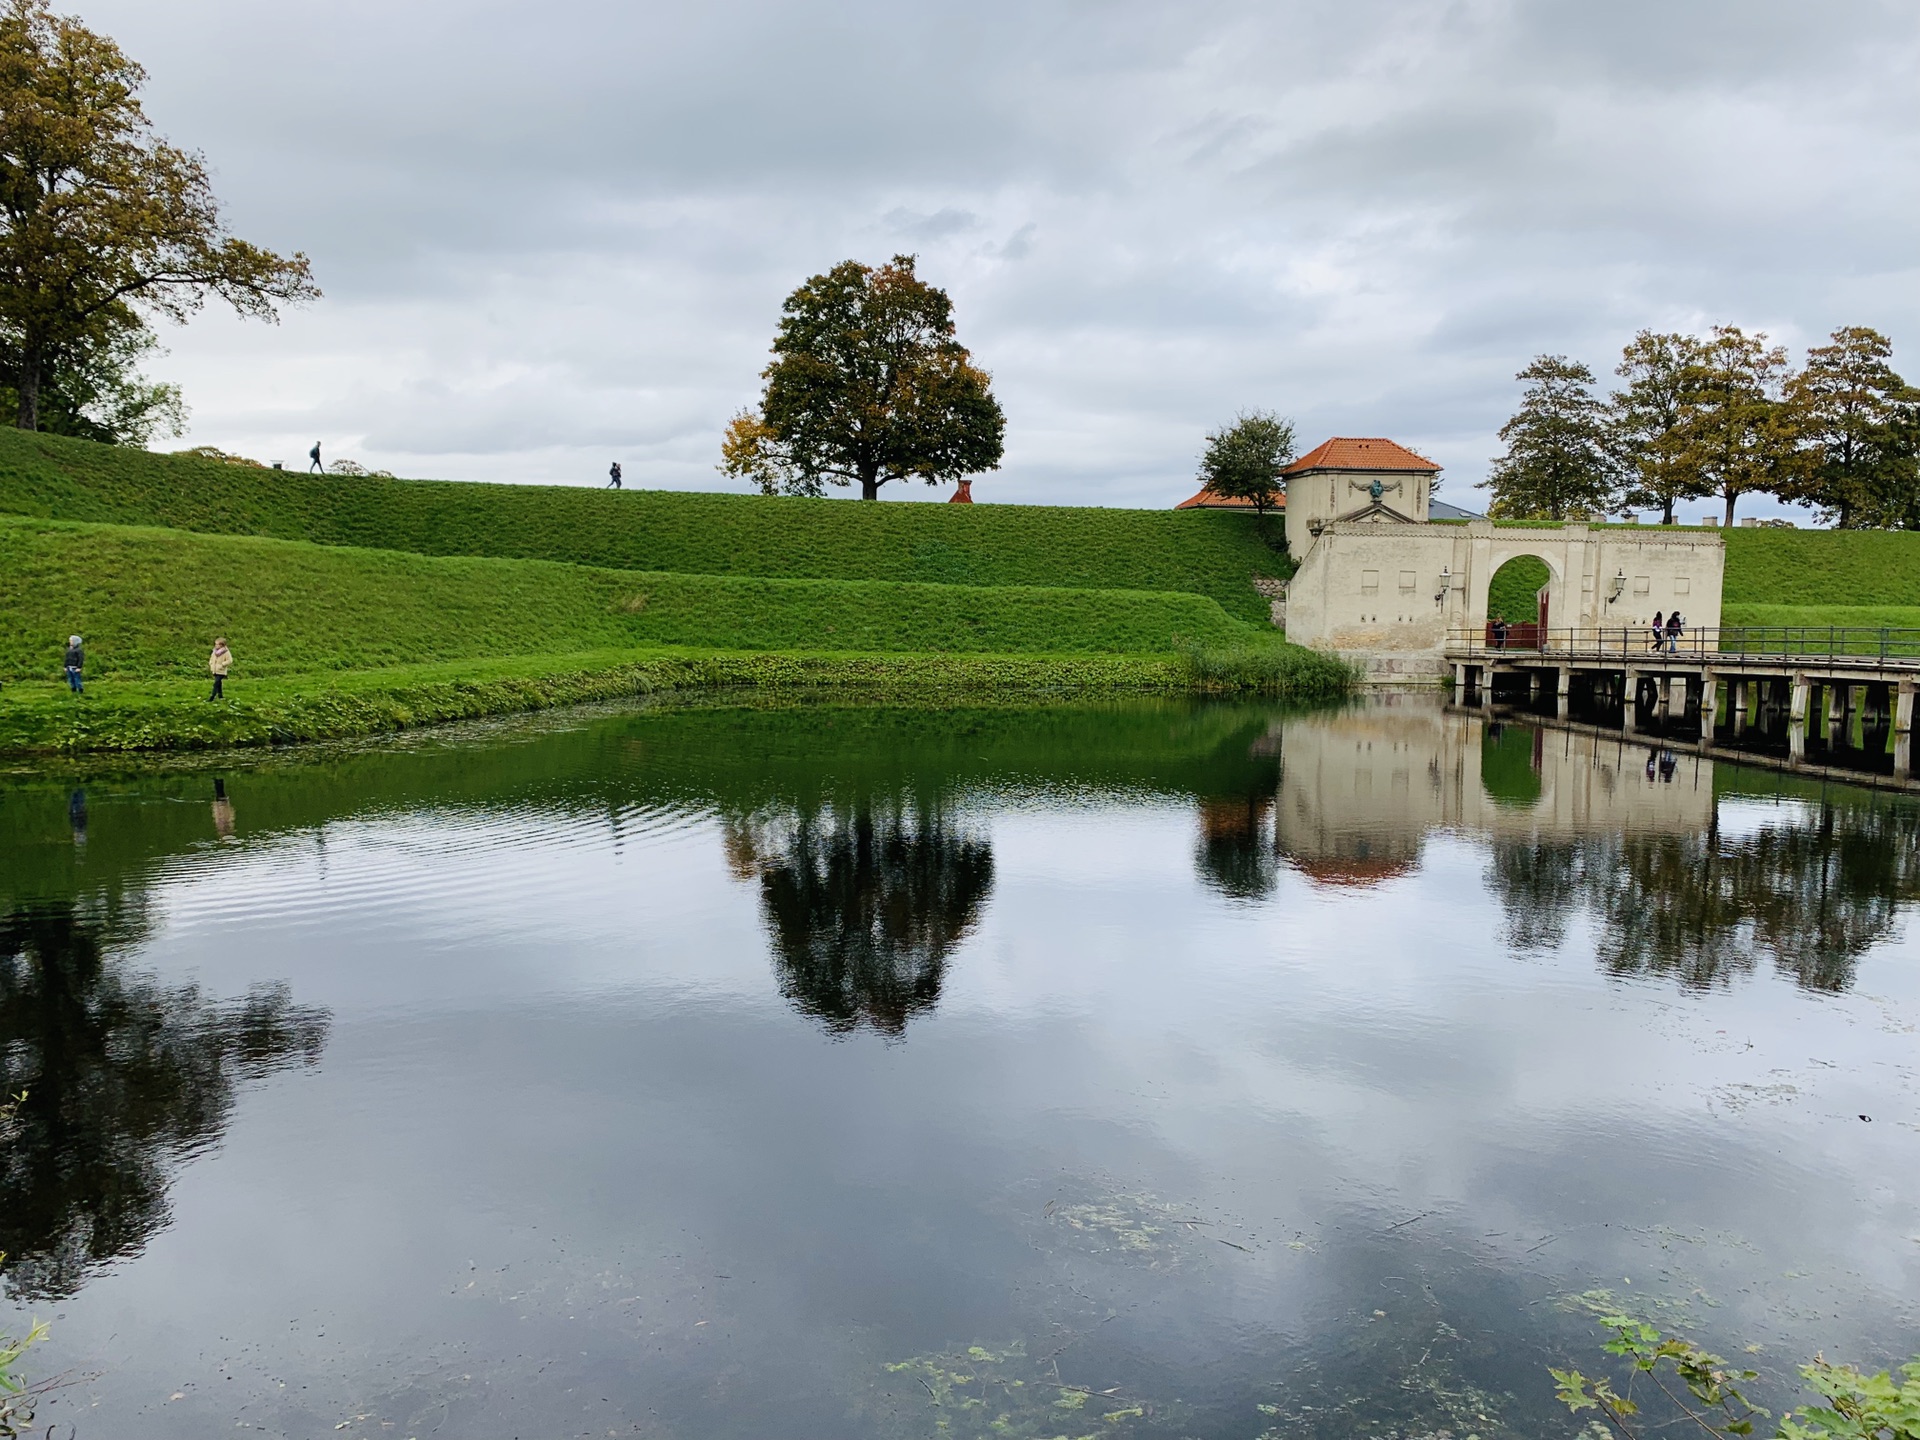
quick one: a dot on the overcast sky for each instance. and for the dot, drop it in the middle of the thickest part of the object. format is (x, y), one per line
(556, 234)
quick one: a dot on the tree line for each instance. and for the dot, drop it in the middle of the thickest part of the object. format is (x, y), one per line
(1721, 415)
(104, 227)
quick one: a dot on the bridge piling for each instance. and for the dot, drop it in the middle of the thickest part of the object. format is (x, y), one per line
(1709, 704)
(1903, 731)
(1563, 692)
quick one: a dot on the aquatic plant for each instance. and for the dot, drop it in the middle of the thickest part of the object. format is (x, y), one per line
(1705, 1389)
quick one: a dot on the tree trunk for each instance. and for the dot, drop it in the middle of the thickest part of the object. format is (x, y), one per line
(29, 391)
(869, 482)
(1732, 495)
(1666, 516)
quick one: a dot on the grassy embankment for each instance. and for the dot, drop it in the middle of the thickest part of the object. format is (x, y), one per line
(334, 639)
(1821, 577)
(1783, 577)
(1205, 552)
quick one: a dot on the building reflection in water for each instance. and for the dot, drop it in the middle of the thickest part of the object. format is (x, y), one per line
(124, 1076)
(1577, 824)
(864, 905)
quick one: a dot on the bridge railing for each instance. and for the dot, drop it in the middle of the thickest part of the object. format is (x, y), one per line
(1628, 643)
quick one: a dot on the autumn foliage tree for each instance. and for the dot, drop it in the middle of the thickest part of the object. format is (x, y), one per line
(1853, 420)
(1663, 374)
(103, 224)
(1559, 460)
(868, 385)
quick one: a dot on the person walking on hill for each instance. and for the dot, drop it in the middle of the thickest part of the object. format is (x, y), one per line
(76, 662)
(1658, 631)
(220, 662)
(613, 476)
(314, 456)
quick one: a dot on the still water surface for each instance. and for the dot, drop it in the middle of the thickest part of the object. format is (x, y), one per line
(1153, 1070)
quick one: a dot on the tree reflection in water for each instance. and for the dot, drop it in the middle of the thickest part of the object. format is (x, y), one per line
(124, 1076)
(1236, 853)
(1809, 894)
(864, 905)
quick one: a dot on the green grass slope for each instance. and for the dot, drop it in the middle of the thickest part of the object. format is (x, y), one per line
(1210, 553)
(149, 602)
(1822, 568)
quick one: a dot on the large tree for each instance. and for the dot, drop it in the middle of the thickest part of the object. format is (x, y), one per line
(1663, 372)
(867, 385)
(103, 224)
(1852, 415)
(1559, 460)
(1243, 461)
(1737, 434)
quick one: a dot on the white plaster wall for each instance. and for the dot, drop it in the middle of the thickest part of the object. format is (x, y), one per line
(1368, 589)
(1320, 495)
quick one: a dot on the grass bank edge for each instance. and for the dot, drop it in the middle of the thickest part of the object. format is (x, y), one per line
(41, 717)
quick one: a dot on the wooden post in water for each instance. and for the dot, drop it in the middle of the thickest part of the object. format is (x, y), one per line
(1709, 704)
(1737, 702)
(1630, 709)
(1563, 691)
(1797, 719)
(1903, 731)
(1837, 696)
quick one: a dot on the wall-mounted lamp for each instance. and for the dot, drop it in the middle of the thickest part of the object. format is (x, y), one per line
(1446, 584)
(1619, 586)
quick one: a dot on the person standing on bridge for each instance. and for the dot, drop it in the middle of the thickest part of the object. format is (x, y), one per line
(1499, 631)
(1673, 632)
(1658, 631)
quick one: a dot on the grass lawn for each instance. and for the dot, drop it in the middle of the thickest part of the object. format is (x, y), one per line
(150, 601)
(332, 641)
(1823, 568)
(1206, 552)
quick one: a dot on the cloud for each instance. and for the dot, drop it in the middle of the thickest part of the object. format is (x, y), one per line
(554, 233)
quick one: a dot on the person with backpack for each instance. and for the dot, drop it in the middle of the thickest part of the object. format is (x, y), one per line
(1659, 632)
(1673, 632)
(219, 663)
(76, 662)
(613, 476)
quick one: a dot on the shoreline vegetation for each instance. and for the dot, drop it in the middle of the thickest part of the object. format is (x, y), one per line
(42, 717)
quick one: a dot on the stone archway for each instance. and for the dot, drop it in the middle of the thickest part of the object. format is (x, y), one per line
(1521, 591)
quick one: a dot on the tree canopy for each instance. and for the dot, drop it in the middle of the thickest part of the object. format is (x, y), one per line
(1559, 460)
(868, 385)
(1853, 422)
(1243, 461)
(103, 224)
(1663, 372)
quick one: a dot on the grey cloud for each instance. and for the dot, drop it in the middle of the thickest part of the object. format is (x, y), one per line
(549, 231)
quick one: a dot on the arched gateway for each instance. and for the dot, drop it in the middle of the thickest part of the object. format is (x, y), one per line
(1386, 587)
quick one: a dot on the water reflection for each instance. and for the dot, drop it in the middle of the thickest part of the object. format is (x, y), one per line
(1810, 897)
(1224, 1140)
(124, 1075)
(864, 905)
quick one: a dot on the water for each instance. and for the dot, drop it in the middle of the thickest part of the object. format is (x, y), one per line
(833, 1072)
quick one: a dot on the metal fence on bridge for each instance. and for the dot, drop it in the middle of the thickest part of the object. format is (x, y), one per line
(1897, 648)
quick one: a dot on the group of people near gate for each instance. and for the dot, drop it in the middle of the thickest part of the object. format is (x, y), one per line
(219, 665)
(1667, 636)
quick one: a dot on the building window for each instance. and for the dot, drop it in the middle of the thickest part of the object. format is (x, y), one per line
(1406, 579)
(1369, 582)
(1642, 584)
(1681, 585)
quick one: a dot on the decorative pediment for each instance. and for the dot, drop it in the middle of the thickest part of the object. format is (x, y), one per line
(1376, 513)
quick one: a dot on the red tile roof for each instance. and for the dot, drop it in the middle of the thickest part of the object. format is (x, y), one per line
(1207, 500)
(1341, 453)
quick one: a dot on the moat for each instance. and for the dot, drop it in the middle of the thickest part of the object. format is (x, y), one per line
(1147, 1069)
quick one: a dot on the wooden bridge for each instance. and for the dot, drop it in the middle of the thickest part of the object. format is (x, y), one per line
(1709, 682)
